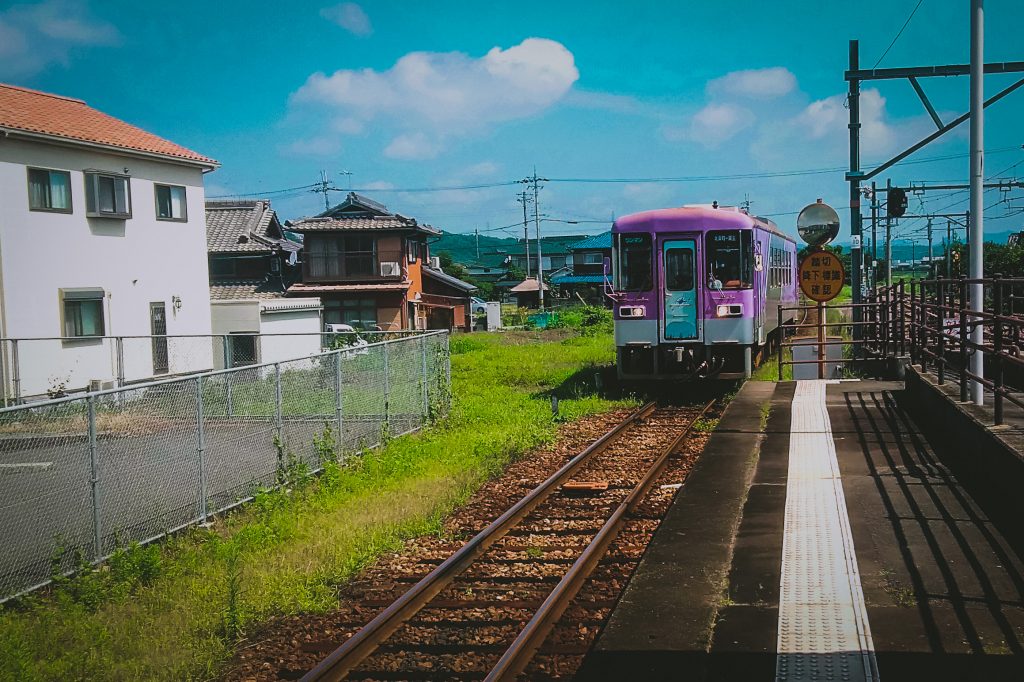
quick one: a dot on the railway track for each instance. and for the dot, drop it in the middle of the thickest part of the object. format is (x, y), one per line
(494, 608)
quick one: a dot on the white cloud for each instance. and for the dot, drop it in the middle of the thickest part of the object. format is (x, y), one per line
(820, 131)
(319, 145)
(34, 36)
(412, 147)
(757, 83)
(712, 125)
(433, 96)
(350, 17)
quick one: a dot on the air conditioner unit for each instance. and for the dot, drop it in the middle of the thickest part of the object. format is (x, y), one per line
(435, 262)
(390, 269)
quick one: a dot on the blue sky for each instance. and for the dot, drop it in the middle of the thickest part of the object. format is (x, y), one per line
(413, 95)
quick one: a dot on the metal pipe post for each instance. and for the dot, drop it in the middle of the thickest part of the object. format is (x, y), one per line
(94, 480)
(782, 339)
(424, 388)
(229, 407)
(888, 238)
(821, 340)
(119, 347)
(940, 325)
(16, 371)
(977, 291)
(278, 400)
(387, 386)
(339, 404)
(201, 448)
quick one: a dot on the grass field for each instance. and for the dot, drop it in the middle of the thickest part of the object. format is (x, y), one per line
(178, 610)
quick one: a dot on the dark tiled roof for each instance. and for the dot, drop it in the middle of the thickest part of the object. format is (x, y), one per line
(301, 288)
(244, 288)
(54, 116)
(244, 227)
(392, 222)
(448, 279)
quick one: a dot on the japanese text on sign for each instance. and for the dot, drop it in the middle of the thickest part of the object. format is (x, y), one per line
(821, 276)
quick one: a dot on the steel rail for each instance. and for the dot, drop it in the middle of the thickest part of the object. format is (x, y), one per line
(515, 659)
(364, 642)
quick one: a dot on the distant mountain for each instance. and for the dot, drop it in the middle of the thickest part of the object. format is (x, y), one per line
(463, 248)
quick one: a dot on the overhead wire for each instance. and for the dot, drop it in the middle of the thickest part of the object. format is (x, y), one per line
(898, 33)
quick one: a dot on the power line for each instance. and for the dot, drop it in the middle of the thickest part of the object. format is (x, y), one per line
(898, 34)
(692, 178)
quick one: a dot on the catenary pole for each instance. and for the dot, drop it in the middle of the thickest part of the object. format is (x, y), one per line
(523, 199)
(854, 176)
(976, 270)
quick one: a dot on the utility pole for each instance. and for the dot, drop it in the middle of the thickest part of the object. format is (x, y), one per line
(477, 233)
(976, 292)
(323, 187)
(874, 234)
(524, 198)
(888, 239)
(535, 181)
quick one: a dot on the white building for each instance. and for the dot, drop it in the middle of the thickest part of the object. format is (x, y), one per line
(102, 234)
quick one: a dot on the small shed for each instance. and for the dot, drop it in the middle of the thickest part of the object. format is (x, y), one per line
(527, 293)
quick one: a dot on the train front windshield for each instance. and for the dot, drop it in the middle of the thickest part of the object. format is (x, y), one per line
(635, 262)
(730, 260)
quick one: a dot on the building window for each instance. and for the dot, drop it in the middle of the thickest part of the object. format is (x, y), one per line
(592, 258)
(49, 190)
(83, 312)
(412, 249)
(170, 203)
(107, 195)
(360, 313)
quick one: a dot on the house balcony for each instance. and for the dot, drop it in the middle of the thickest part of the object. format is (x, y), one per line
(381, 266)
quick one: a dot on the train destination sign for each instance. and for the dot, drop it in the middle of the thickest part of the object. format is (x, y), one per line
(821, 276)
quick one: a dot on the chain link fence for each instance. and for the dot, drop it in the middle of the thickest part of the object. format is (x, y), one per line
(51, 367)
(81, 476)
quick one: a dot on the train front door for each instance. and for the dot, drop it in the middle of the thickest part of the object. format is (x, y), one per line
(680, 312)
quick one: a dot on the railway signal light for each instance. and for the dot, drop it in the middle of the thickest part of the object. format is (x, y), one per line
(896, 202)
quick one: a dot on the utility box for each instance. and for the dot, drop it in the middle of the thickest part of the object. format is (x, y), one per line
(493, 315)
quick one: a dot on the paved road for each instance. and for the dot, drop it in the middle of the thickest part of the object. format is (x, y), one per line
(147, 484)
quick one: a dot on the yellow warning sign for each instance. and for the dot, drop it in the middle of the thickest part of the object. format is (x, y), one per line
(821, 276)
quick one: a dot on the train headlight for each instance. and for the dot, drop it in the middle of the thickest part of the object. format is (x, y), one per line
(729, 310)
(632, 311)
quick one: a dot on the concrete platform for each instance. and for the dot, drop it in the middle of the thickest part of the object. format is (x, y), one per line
(940, 588)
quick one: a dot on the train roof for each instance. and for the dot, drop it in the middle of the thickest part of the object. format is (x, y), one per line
(695, 217)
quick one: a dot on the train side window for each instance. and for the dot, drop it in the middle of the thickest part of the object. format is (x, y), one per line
(730, 258)
(637, 273)
(679, 269)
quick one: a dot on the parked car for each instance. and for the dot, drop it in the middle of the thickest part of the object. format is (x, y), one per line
(477, 306)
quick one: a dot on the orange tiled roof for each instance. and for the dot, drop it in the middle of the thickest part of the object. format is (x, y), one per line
(72, 119)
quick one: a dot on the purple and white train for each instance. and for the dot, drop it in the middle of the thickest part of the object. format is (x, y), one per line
(696, 291)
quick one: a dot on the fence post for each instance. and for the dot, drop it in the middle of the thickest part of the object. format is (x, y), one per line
(903, 318)
(16, 371)
(201, 448)
(339, 406)
(963, 341)
(424, 389)
(94, 480)
(278, 419)
(782, 338)
(387, 387)
(229, 407)
(997, 357)
(119, 346)
(885, 321)
(913, 322)
(940, 325)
